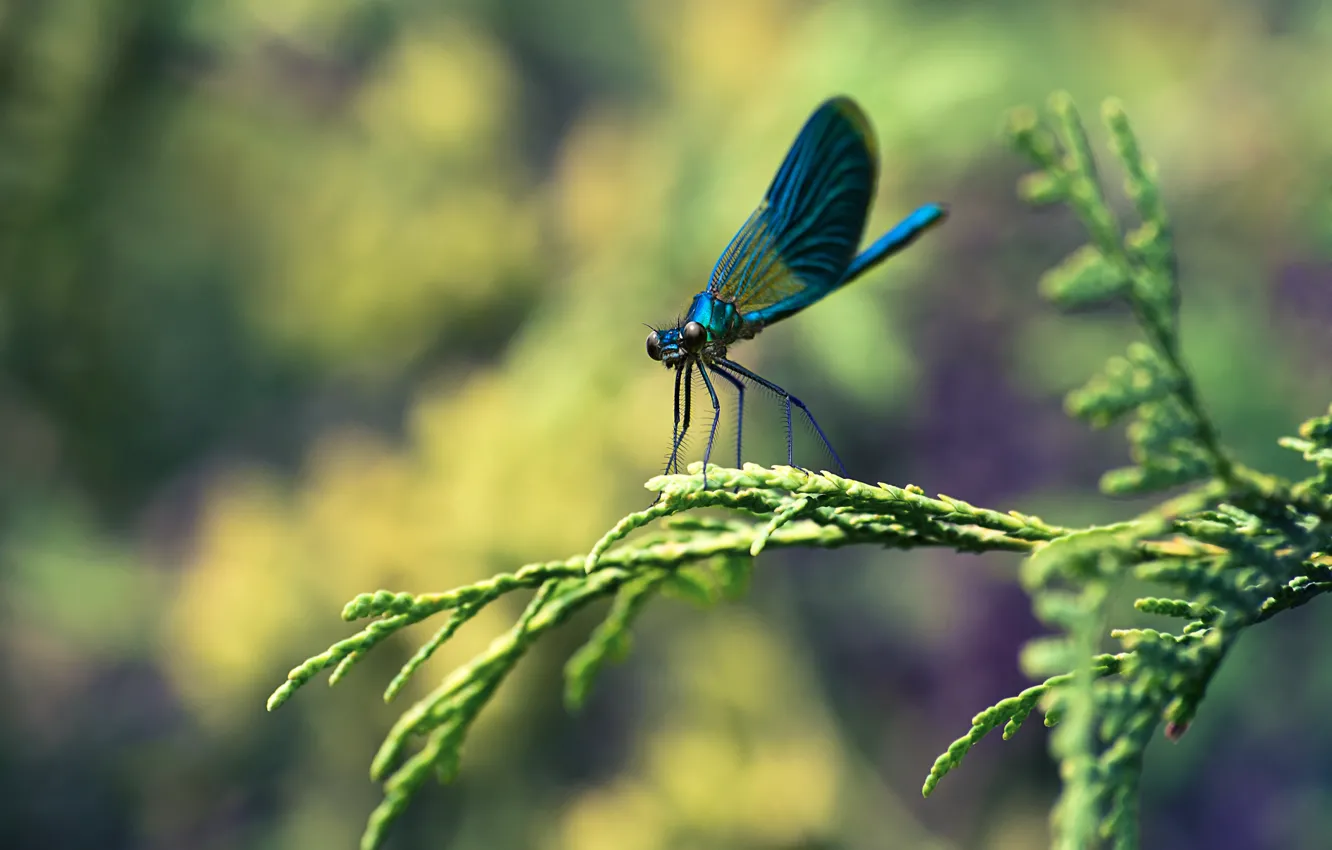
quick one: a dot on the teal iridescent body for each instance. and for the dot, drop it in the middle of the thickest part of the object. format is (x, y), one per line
(796, 248)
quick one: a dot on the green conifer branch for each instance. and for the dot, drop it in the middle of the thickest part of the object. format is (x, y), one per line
(610, 640)
(1231, 551)
(1246, 544)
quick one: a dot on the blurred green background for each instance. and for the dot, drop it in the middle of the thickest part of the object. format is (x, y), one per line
(301, 298)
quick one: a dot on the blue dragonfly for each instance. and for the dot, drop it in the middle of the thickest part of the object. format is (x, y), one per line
(798, 246)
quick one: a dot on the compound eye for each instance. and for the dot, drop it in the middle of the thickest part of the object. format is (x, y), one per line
(694, 336)
(654, 346)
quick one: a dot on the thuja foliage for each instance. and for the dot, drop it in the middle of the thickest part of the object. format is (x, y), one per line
(1229, 549)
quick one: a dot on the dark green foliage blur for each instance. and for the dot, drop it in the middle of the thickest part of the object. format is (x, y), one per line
(300, 298)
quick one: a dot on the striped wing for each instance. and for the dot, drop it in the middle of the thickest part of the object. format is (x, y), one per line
(796, 247)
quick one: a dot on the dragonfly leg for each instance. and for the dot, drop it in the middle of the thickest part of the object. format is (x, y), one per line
(682, 376)
(789, 400)
(675, 426)
(790, 437)
(786, 406)
(716, 416)
(739, 412)
(739, 415)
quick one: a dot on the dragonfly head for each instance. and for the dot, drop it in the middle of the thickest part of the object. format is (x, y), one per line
(672, 345)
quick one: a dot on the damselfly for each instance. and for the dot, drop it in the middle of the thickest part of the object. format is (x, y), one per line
(798, 246)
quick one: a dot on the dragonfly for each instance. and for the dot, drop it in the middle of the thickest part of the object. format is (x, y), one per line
(798, 246)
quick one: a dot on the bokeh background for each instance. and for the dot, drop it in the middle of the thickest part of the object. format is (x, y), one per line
(301, 298)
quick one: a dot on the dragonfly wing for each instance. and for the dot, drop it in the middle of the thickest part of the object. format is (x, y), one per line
(797, 245)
